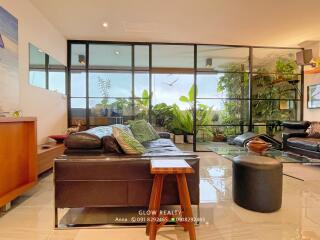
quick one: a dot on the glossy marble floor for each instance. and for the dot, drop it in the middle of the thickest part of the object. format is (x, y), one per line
(299, 218)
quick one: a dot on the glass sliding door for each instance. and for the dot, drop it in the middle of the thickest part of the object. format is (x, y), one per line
(222, 103)
(276, 89)
(172, 80)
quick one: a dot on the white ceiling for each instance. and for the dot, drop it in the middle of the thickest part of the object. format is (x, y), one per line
(248, 22)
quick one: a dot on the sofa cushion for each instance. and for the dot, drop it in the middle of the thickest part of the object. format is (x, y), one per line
(142, 131)
(111, 145)
(154, 132)
(96, 138)
(89, 139)
(311, 144)
(128, 143)
(161, 146)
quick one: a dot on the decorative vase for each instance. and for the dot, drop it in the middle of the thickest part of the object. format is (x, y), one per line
(257, 145)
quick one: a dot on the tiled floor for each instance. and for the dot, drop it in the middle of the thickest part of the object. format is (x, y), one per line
(299, 217)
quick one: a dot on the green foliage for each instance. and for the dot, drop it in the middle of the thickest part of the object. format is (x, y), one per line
(182, 121)
(163, 114)
(285, 66)
(104, 85)
(234, 85)
(190, 98)
(143, 105)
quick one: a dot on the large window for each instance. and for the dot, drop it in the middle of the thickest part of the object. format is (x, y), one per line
(108, 86)
(214, 91)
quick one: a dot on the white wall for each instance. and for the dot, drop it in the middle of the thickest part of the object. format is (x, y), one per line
(49, 107)
(310, 114)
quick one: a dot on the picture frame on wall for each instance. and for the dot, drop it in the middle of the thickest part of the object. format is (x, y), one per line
(314, 96)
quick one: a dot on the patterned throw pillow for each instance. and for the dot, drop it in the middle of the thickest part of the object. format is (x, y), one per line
(154, 132)
(125, 128)
(314, 130)
(129, 144)
(141, 131)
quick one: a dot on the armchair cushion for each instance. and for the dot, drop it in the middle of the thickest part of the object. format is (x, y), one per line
(311, 144)
(303, 125)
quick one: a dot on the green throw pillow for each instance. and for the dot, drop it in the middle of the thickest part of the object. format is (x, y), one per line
(154, 132)
(129, 144)
(142, 132)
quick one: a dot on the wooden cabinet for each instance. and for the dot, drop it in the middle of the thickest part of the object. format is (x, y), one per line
(47, 155)
(18, 154)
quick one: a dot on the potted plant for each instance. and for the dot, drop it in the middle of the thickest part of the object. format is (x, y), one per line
(218, 135)
(176, 125)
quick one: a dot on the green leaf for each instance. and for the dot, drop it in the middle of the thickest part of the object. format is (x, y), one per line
(145, 94)
(191, 93)
(184, 99)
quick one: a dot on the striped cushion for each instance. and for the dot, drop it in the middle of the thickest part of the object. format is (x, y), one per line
(129, 144)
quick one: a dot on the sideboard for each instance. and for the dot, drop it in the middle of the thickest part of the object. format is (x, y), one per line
(18, 157)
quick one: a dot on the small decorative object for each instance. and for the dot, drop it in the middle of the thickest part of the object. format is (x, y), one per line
(16, 113)
(73, 129)
(257, 145)
(58, 138)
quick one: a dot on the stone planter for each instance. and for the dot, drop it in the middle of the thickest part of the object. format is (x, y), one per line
(190, 138)
(178, 139)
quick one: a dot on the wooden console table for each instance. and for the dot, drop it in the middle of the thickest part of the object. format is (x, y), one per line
(46, 156)
(18, 152)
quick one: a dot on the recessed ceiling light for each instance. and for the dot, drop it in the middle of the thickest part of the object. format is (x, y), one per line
(105, 24)
(116, 52)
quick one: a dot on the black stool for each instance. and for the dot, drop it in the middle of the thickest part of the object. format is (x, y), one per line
(257, 183)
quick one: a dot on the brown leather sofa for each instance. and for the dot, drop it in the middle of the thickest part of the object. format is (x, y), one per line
(96, 178)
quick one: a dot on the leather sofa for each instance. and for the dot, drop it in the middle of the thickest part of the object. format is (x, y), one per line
(98, 175)
(296, 139)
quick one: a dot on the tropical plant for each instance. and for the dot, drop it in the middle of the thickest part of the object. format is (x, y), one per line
(190, 98)
(234, 85)
(204, 118)
(182, 121)
(104, 85)
(285, 68)
(142, 105)
(163, 114)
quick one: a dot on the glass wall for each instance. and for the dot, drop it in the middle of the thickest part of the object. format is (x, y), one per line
(209, 92)
(276, 89)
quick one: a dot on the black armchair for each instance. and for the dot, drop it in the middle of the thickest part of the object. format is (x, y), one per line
(296, 139)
